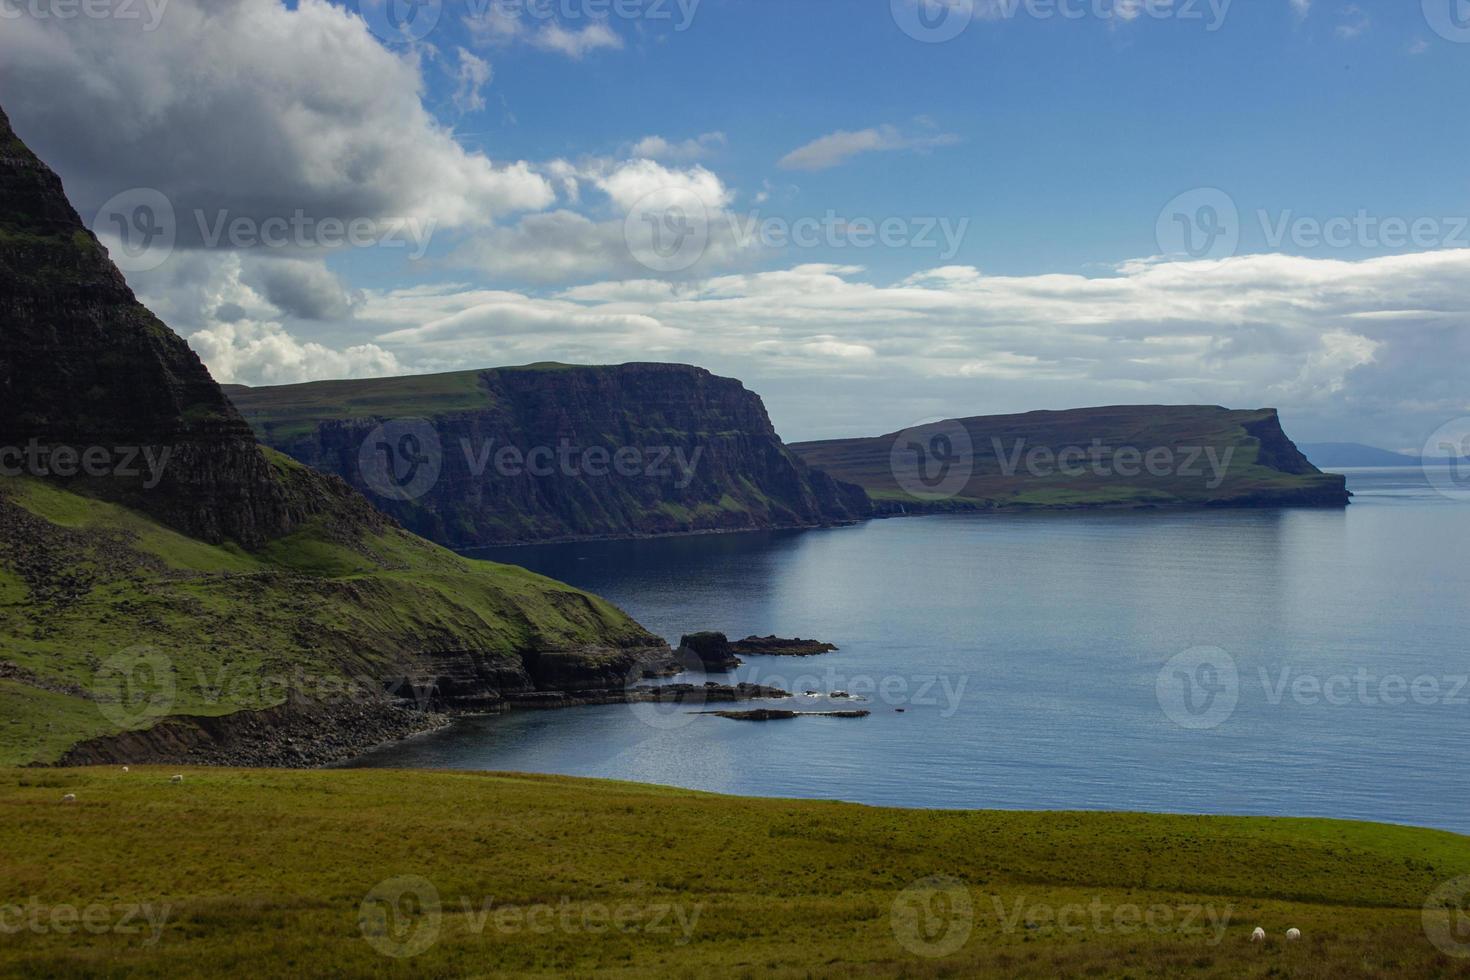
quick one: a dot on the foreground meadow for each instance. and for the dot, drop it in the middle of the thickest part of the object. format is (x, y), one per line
(362, 873)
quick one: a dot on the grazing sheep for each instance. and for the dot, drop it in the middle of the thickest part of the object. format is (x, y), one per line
(69, 798)
(176, 780)
(1293, 934)
(125, 768)
(1259, 936)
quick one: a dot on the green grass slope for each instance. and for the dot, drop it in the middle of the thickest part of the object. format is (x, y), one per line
(375, 873)
(1207, 456)
(91, 591)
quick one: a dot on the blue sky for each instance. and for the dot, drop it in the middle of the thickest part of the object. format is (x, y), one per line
(1120, 207)
(1069, 135)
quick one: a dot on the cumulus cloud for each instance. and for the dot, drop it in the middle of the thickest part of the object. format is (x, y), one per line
(265, 354)
(837, 148)
(567, 246)
(500, 23)
(658, 148)
(1347, 348)
(282, 111)
(472, 75)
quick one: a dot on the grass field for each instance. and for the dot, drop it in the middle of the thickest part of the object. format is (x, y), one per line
(361, 872)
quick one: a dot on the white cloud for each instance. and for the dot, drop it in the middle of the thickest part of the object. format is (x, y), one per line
(566, 246)
(252, 108)
(1301, 8)
(658, 148)
(501, 24)
(265, 354)
(473, 74)
(1355, 22)
(836, 148)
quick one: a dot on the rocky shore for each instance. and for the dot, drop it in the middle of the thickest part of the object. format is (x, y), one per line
(300, 734)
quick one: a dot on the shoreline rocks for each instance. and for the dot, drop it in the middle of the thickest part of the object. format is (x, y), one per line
(712, 650)
(775, 646)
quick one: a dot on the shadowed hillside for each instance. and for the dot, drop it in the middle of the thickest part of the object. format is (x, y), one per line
(553, 452)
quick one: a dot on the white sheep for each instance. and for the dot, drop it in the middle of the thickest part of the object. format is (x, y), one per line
(1259, 936)
(125, 768)
(1293, 934)
(176, 780)
(69, 798)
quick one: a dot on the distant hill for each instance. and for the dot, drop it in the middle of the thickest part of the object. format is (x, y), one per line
(1123, 456)
(1346, 454)
(555, 452)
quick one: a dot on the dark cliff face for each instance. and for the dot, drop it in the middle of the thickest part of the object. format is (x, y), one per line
(555, 452)
(85, 366)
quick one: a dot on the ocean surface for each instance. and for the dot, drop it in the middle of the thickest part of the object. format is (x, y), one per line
(1280, 662)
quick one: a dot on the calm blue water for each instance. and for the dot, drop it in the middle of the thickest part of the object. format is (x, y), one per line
(1027, 654)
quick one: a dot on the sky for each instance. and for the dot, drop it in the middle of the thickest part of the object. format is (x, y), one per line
(872, 212)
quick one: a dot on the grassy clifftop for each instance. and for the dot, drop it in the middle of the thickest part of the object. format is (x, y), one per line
(1121, 456)
(367, 873)
(113, 622)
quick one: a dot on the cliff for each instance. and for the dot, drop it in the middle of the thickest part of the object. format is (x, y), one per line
(553, 452)
(1150, 456)
(83, 365)
(225, 600)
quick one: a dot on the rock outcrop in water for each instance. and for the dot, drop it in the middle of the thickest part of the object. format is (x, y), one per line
(555, 452)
